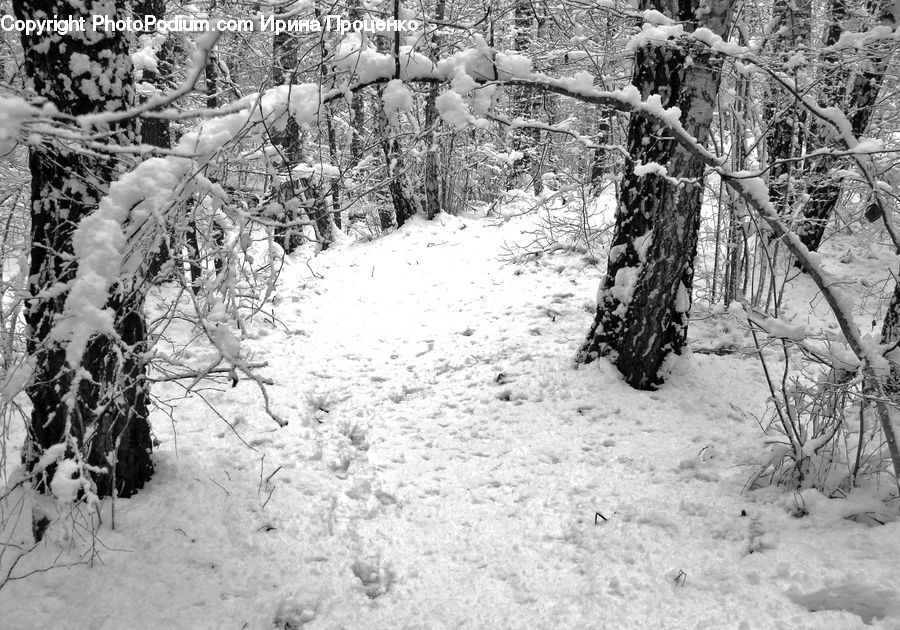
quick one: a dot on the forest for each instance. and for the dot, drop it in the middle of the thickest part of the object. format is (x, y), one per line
(487, 314)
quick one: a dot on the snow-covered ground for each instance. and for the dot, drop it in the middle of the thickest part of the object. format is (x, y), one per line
(445, 466)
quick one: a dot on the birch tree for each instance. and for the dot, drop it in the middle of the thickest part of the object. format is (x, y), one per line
(644, 300)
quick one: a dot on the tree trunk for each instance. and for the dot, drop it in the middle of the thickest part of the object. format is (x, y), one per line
(644, 300)
(791, 33)
(99, 408)
(156, 131)
(525, 169)
(433, 205)
(284, 51)
(211, 74)
(600, 160)
(298, 195)
(327, 220)
(890, 335)
(857, 99)
(193, 249)
(735, 260)
(335, 184)
(357, 106)
(404, 206)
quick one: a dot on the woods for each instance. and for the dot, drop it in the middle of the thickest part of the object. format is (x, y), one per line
(725, 172)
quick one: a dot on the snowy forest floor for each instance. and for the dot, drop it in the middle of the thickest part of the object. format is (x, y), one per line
(445, 466)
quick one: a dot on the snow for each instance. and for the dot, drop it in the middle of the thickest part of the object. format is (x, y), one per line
(670, 115)
(582, 82)
(655, 35)
(868, 145)
(445, 466)
(736, 309)
(355, 54)
(80, 63)
(642, 245)
(15, 379)
(777, 327)
(67, 481)
(98, 242)
(625, 283)
(462, 82)
(453, 109)
(641, 169)
(320, 170)
(512, 65)
(756, 187)
(144, 57)
(717, 43)
(51, 455)
(483, 99)
(616, 252)
(396, 97)
(682, 299)
(797, 60)
(852, 595)
(14, 113)
(146, 90)
(840, 121)
(652, 16)
(476, 61)
(629, 94)
(852, 39)
(225, 341)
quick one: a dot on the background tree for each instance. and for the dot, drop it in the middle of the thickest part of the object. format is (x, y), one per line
(524, 142)
(433, 197)
(851, 81)
(790, 34)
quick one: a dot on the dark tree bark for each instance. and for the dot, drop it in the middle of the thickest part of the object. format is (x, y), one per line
(357, 106)
(890, 331)
(298, 195)
(99, 408)
(433, 205)
(523, 102)
(644, 300)
(325, 78)
(735, 258)
(358, 118)
(856, 96)
(401, 199)
(877, 387)
(791, 33)
(211, 76)
(600, 162)
(403, 205)
(284, 50)
(194, 253)
(156, 131)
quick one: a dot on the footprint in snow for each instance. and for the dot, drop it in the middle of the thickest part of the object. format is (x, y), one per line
(375, 575)
(863, 600)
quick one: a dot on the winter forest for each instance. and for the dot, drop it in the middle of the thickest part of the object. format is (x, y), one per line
(477, 314)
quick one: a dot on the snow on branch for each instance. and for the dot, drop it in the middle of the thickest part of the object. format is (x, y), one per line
(114, 243)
